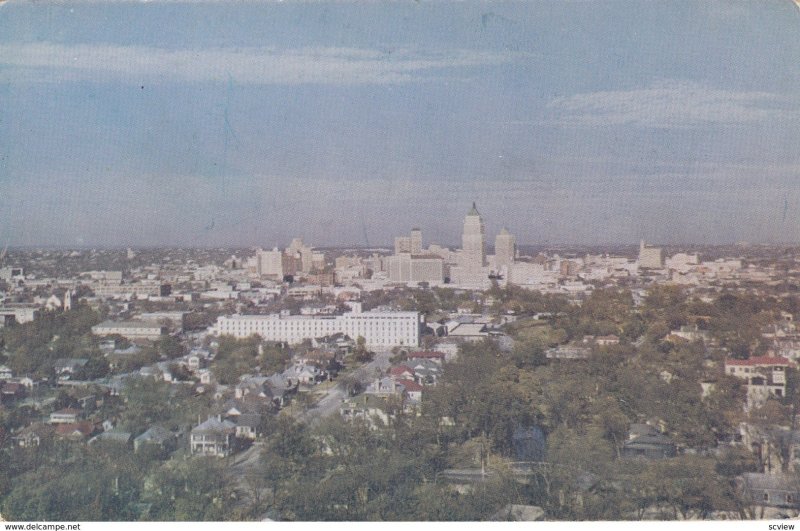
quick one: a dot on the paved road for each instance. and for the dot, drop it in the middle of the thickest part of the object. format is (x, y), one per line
(329, 403)
(325, 406)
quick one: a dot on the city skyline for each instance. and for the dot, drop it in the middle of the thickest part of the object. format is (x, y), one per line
(250, 123)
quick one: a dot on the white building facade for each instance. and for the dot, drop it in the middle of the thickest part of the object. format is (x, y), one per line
(379, 329)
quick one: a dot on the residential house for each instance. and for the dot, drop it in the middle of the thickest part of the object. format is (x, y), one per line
(156, 436)
(765, 377)
(367, 407)
(412, 389)
(771, 490)
(75, 431)
(426, 372)
(281, 388)
(214, 437)
(647, 442)
(384, 387)
(12, 391)
(65, 368)
(247, 426)
(304, 374)
(692, 333)
(114, 436)
(65, 416)
(605, 341)
(568, 352)
(33, 435)
(401, 371)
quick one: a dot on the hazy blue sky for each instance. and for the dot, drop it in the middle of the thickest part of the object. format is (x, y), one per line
(245, 123)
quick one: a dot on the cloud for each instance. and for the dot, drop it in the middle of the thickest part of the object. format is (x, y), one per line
(259, 66)
(668, 105)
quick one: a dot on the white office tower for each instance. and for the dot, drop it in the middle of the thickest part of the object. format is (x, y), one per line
(402, 244)
(405, 267)
(416, 241)
(270, 263)
(505, 249)
(473, 251)
(650, 257)
(471, 271)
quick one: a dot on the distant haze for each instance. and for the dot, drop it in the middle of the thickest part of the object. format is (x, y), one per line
(347, 123)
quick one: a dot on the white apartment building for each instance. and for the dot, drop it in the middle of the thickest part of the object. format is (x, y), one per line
(379, 329)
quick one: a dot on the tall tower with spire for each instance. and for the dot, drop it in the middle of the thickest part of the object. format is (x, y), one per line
(473, 240)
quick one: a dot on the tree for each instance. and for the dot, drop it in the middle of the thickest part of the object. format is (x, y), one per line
(147, 401)
(360, 353)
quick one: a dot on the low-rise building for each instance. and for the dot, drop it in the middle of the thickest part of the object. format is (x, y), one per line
(765, 377)
(130, 329)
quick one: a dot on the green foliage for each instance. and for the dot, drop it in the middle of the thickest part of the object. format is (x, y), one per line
(234, 358)
(199, 488)
(35, 346)
(147, 401)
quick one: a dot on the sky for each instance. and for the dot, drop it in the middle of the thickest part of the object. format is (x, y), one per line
(245, 123)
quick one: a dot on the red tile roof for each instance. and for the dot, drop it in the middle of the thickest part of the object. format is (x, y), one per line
(400, 370)
(410, 386)
(84, 428)
(760, 360)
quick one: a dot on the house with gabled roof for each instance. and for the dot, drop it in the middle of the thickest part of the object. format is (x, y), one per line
(247, 425)
(412, 389)
(304, 374)
(401, 371)
(384, 387)
(765, 377)
(367, 407)
(214, 437)
(156, 436)
(114, 436)
(75, 431)
(33, 435)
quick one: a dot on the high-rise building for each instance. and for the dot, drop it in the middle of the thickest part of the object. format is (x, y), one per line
(405, 267)
(650, 257)
(416, 241)
(402, 244)
(270, 263)
(505, 249)
(473, 250)
(304, 255)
